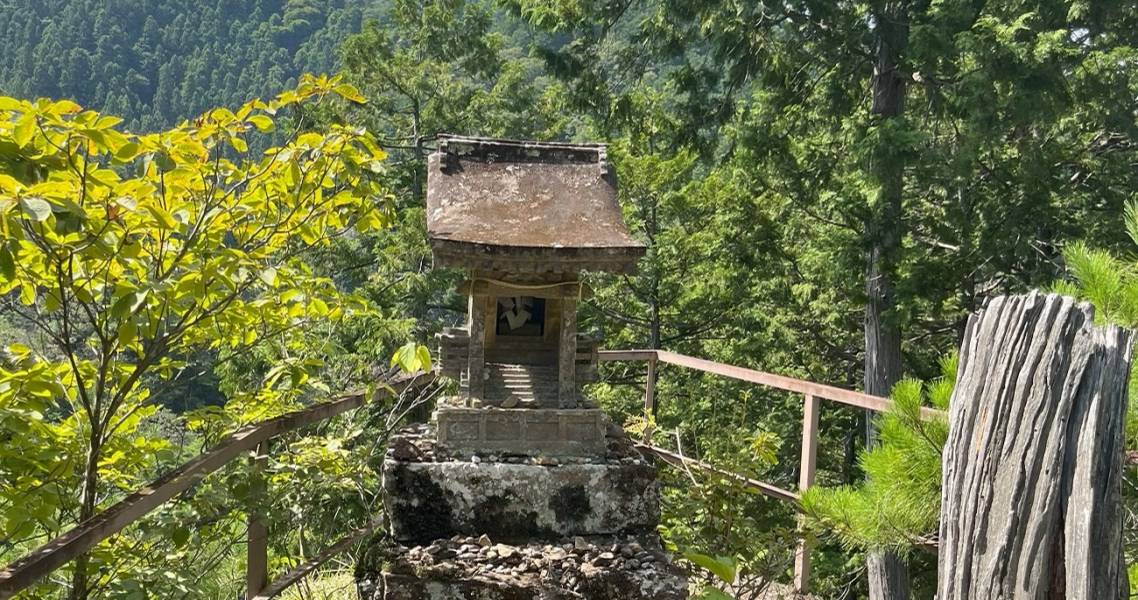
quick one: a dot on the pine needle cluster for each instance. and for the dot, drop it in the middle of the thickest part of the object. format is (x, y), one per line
(898, 505)
(1110, 283)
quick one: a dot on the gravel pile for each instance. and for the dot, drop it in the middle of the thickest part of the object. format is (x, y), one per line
(572, 564)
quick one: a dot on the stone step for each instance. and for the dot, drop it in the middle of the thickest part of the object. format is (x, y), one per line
(504, 394)
(519, 379)
(520, 383)
(510, 387)
(526, 381)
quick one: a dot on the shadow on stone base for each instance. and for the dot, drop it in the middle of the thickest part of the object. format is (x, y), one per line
(513, 502)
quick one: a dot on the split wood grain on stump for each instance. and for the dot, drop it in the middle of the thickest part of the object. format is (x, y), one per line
(1034, 458)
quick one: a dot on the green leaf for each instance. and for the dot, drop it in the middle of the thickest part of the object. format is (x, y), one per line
(180, 536)
(64, 107)
(318, 307)
(713, 593)
(410, 358)
(424, 357)
(262, 123)
(723, 567)
(106, 122)
(9, 183)
(164, 218)
(240, 491)
(349, 93)
(139, 300)
(127, 332)
(37, 209)
(7, 264)
(127, 151)
(51, 302)
(165, 162)
(126, 202)
(28, 294)
(25, 129)
(129, 303)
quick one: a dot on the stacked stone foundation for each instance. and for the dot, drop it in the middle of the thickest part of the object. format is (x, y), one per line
(522, 431)
(505, 522)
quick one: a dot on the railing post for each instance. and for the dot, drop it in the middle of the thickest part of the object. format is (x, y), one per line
(567, 355)
(476, 351)
(650, 400)
(257, 549)
(805, 480)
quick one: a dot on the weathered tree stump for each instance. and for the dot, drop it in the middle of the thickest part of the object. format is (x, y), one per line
(1034, 459)
(887, 576)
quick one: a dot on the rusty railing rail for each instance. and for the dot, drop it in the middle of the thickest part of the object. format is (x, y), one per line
(811, 408)
(254, 439)
(29, 569)
(300, 571)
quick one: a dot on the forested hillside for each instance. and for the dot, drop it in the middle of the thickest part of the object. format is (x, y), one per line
(158, 61)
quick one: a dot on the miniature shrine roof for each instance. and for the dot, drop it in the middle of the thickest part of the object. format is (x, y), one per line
(519, 206)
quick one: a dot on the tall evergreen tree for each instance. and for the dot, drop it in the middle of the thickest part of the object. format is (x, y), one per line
(949, 148)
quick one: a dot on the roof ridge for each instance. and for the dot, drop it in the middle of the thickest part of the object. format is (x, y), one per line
(510, 150)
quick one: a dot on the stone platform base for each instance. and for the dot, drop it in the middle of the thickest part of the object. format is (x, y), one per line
(522, 431)
(626, 568)
(508, 501)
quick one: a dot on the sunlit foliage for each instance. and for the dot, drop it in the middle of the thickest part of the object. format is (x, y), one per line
(898, 506)
(124, 254)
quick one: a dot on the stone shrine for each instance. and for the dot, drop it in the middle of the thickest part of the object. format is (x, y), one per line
(521, 488)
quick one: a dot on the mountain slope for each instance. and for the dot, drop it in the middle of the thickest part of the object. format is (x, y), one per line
(156, 62)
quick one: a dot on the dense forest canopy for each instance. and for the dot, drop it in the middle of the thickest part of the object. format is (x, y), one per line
(157, 62)
(826, 190)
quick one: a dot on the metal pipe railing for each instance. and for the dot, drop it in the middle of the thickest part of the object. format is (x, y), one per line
(54, 554)
(811, 393)
(80, 539)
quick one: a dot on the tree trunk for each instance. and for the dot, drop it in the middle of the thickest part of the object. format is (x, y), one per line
(655, 324)
(1033, 464)
(420, 164)
(80, 586)
(888, 575)
(651, 230)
